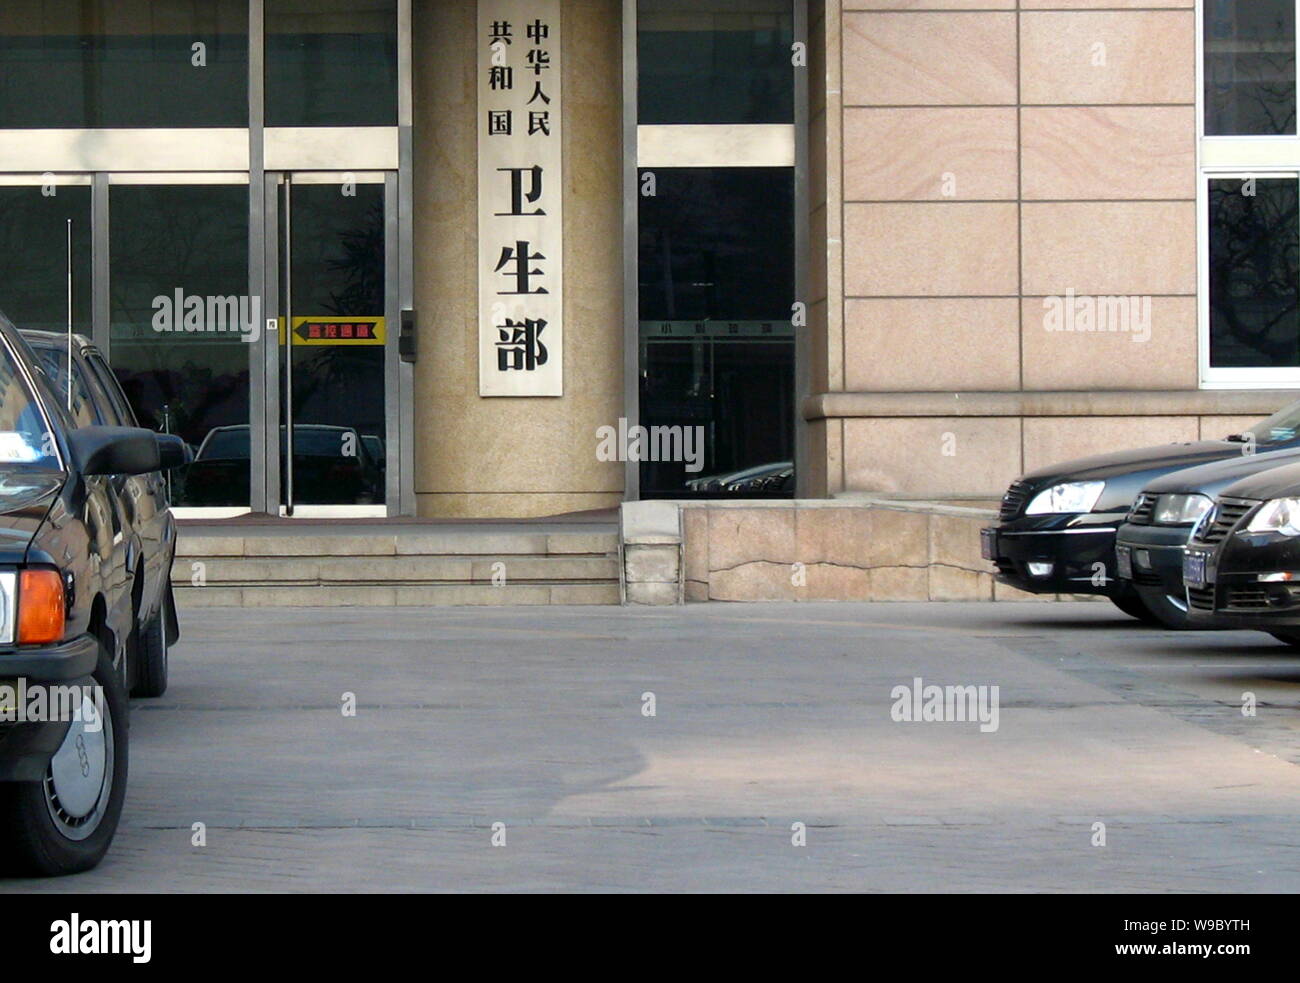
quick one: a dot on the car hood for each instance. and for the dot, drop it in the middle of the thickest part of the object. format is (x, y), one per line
(1128, 472)
(1283, 482)
(25, 498)
(1210, 479)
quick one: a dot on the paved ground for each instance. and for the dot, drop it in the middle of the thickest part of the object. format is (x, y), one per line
(765, 716)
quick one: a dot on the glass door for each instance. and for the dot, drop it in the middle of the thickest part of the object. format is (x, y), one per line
(335, 298)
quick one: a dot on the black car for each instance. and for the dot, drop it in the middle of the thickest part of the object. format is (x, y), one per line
(1241, 568)
(1058, 524)
(74, 602)
(1149, 545)
(96, 399)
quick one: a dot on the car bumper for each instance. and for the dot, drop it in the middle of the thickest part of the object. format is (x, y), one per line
(26, 746)
(1235, 596)
(1080, 550)
(1156, 555)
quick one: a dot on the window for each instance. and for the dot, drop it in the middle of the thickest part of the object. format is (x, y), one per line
(715, 248)
(331, 62)
(172, 247)
(1249, 192)
(34, 255)
(715, 62)
(84, 411)
(123, 63)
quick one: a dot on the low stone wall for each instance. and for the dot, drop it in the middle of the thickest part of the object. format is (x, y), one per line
(865, 549)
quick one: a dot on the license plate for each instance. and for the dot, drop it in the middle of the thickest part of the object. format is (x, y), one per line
(1124, 562)
(989, 544)
(1194, 569)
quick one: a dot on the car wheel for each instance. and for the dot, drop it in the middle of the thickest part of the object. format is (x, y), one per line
(1168, 610)
(151, 653)
(1132, 605)
(65, 823)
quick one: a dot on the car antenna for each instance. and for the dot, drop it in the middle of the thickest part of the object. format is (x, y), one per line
(69, 315)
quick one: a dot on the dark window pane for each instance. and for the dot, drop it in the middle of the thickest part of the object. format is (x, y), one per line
(193, 240)
(1254, 273)
(715, 62)
(34, 256)
(331, 62)
(717, 243)
(1249, 67)
(123, 63)
(717, 346)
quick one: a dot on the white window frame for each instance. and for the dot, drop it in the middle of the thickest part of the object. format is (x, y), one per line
(1234, 157)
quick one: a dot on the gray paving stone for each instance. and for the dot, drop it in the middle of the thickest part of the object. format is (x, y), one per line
(766, 715)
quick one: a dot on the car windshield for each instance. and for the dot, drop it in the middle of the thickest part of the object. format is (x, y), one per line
(1282, 427)
(24, 440)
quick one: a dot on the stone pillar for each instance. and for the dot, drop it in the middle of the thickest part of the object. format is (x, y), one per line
(508, 457)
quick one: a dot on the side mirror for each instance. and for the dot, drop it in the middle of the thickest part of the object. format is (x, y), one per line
(172, 451)
(114, 450)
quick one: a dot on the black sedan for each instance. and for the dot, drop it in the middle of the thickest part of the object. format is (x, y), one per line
(1241, 568)
(96, 399)
(1057, 524)
(71, 569)
(1149, 545)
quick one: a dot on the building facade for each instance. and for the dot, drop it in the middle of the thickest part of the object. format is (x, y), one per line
(512, 258)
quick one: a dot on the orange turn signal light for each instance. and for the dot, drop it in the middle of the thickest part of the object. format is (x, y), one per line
(40, 607)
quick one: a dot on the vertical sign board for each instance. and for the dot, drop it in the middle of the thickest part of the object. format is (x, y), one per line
(520, 187)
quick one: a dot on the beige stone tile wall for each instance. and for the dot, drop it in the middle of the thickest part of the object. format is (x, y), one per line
(997, 161)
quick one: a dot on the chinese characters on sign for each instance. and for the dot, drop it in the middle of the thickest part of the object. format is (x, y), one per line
(520, 222)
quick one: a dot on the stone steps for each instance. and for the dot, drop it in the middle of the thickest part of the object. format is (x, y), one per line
(395, 566)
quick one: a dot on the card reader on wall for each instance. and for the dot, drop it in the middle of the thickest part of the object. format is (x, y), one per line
(406, 346)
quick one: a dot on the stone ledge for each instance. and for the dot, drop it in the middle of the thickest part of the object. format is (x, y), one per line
(1120, 402)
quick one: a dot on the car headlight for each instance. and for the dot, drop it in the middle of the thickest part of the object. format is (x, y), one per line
(1281, 515)
(1180, 510)
(1073, 496)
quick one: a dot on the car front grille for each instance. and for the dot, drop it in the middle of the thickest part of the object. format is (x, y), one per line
(1146, 578)
(1245, 598)
(1014, 500)
(1143, 507)
(1227, 513)
(1201, 598)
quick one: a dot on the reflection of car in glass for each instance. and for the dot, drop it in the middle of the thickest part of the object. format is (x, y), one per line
(780, 481)
(330, 464)
(724, 482)
(75, 590)
(375, 446)
(1241, 568)
(1058, 523)
(1149, 545)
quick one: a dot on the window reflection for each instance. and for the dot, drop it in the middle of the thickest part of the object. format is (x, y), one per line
(193, 239)
(1254, 273)
(123, 63)
(717, 345)
(331, 62)
(1250, 56)
(717, 61)
(34, 256)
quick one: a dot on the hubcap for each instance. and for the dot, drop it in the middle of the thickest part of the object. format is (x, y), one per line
(80, 776)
